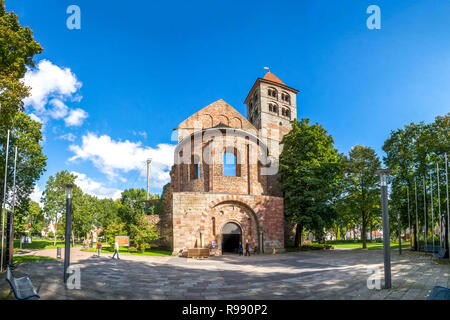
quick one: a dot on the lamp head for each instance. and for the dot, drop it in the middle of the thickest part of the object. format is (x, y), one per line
(383, 176)
(69, 187)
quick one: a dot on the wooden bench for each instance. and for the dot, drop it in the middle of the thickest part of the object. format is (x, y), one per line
(22, 287)
(442, 254)
(439, 293)
(198, 253)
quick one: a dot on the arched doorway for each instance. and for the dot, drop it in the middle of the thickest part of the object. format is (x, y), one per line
(231, 236)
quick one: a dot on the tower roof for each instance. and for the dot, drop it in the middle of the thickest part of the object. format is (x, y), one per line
(271, 77)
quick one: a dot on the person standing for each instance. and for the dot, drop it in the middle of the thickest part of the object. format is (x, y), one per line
(247, 248)
(99, 247)
(116, 250)
(240, 249)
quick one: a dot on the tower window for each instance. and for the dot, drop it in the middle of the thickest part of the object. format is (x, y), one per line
(272, 92)
(286, 112)
(286, 97)
(273, 108)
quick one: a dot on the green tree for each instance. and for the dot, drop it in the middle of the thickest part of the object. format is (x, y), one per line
(113, 230)
(17, 49)
(412, 153)
(310, 174)
(84, 210)
(31, 162)
(107, 212)
(142, 234)
(35, 218)
(54, 197)
(132, 206)
(362, 184)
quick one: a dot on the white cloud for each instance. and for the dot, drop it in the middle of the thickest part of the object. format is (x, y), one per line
(69, 137)
(49, 80)
(59, 110)
(76, 117)
(95, 188)
(113, 157)
(53, 85)
(36, 195)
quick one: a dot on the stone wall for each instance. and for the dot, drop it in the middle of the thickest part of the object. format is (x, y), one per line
(198, 219)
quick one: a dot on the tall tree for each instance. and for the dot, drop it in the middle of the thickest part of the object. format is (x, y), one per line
(362, 184)
(17, 49)
(31, 161)
(310, 171)
(54, 197)
(412, 153)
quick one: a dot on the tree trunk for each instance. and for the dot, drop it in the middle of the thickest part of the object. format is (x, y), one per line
(54, 242)
(363, 231)
(298, 235)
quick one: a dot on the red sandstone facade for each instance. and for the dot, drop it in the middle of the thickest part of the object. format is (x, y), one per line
(212, 201)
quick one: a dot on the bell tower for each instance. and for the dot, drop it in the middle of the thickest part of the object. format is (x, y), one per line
(271, 105)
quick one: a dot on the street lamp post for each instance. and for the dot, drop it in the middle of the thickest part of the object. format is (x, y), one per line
(68, 188)
(386, 241)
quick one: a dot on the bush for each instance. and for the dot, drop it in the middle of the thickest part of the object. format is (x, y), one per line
(317, 246)
(312, 246)
(113, 230)
(143, 234)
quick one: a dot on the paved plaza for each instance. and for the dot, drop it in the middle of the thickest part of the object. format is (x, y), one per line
(334, 274)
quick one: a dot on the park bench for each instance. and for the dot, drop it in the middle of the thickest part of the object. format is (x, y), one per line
(22, 287)
(441, 254)
(431, 248)
(439, 293)
(198, 253)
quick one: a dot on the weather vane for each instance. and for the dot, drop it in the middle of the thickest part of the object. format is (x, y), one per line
(267, 68)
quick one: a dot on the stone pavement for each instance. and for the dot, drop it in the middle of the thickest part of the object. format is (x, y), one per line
(335, 274)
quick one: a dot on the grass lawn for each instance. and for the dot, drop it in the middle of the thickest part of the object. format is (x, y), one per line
(41, 244)
(124, 250)
(370, 245)
(24, 259)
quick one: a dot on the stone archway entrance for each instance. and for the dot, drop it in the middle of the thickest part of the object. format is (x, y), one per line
(231, 236)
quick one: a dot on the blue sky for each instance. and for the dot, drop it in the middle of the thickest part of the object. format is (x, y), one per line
(111, 93)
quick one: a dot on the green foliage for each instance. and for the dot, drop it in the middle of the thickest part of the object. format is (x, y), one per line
(311, 246)
(36, 218)
(17, 49)
(107, 211)
(412, 154)
(113, 230)
(31, 162)
(143, 234)
(54, 197)
(311, 170)
(360, 201)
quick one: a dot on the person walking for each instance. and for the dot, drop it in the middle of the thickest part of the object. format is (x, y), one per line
(240, 249)
(116, 250)
(247, 248)
(99, 247)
